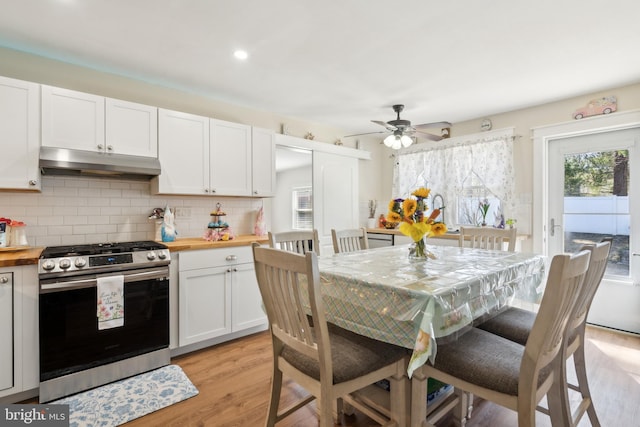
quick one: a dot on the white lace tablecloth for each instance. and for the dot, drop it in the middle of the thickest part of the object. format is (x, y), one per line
(383, 294)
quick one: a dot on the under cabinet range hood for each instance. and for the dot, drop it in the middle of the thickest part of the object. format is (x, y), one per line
(62, 161)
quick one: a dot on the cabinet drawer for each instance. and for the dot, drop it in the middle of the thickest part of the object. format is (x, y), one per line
(206, 258)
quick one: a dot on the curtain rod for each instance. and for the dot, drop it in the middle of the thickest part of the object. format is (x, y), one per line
(464, 140)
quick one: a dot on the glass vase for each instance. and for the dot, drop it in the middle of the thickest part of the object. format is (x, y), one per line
(418, 250)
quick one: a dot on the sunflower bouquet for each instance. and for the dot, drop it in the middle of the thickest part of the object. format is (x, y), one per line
(411, 213)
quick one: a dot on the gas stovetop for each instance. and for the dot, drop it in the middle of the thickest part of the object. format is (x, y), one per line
(74, 259)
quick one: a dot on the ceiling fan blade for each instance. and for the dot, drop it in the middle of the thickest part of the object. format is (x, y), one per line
(360, 134)
(427, 135)
(433, 125)
(385, 124)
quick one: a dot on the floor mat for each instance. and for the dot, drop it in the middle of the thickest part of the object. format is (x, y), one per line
(122, 401)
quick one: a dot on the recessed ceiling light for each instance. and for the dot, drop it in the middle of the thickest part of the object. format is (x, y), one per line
(241, 54)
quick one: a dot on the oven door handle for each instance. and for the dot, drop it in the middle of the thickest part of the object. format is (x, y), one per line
(93, 281)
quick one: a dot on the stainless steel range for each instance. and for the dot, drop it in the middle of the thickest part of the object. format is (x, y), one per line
(104, 314)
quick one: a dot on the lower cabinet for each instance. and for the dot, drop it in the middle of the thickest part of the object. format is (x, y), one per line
(218, 294)
(6, 330)
(19, 369)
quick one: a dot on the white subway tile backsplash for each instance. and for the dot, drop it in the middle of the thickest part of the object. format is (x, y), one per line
(72, 210)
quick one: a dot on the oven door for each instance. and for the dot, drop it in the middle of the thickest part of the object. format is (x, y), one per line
(70, 340)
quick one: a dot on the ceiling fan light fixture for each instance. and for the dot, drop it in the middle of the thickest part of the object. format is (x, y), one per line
(406, 140)
(397, 141)
(389, 140)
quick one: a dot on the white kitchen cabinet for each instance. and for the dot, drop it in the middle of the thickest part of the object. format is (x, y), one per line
(71, 119)
(183, 151)
(20, 134)
(203, 156)
(131, 128)
(218, 294)
(263, 163)
(6, 330)
(229, 158)
(19, 362)
(83, 121)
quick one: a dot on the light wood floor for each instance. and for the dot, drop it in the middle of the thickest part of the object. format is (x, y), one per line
(233, 380)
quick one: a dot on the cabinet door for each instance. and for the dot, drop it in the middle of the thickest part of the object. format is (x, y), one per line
(19, 134)
(71, 119)
(230, 159)
(131, 128)
(263, 164)
(183, 151)
(246, 300)
(6, 331)
(204, 304)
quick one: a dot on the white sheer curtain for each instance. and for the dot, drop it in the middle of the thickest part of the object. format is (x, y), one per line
(446, 165)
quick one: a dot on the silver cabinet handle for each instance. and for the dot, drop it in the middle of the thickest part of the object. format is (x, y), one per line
(33, 182)
(100, 147)
(4, 279)
(231, 258)
(109, 147)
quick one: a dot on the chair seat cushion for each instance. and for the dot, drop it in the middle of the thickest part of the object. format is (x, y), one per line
(352, 355)
(484, 359)
(513, 324)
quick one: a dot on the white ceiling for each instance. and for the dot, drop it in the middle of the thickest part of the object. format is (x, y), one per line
(345, 62)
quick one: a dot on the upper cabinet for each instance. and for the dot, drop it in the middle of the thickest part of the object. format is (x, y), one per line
(204, 156)
(131, 128)
(263, 162)
(19, 134)
(71, 119)
(183, 151)
(230, 158)
(82, 121)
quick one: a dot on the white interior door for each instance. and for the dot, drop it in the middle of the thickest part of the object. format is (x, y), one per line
(335, 195)
(594, 180)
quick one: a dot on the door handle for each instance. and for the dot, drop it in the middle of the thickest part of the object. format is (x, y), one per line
(553, 227)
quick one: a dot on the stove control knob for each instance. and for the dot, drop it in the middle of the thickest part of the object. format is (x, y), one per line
(48, 265)
(64, 263)
(80, 262)
(162, 255)
(151, 256)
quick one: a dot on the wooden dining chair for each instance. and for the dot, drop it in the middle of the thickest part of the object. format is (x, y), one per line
(505, 372)
(349, 240)
(515, 324)
(329, 362)
(488, 238)
(298, 241)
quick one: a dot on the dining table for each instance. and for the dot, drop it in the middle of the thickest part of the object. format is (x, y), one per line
(388, 295)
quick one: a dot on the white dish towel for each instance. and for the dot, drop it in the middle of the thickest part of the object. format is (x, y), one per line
(110, 302)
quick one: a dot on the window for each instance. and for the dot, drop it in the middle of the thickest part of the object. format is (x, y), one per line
(464, 171)
(302, 208)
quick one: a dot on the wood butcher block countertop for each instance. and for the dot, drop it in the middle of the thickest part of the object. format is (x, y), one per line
(198, 243)
(450, 235)
(11, 257)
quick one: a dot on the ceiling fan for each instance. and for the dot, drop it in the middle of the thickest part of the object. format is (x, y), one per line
(402, 131)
